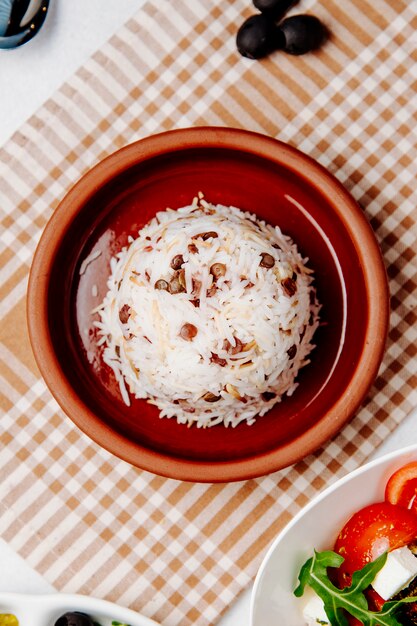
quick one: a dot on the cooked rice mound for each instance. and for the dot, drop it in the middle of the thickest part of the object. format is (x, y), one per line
(209, 315)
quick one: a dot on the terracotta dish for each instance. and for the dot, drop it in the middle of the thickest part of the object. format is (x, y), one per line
(231, 167)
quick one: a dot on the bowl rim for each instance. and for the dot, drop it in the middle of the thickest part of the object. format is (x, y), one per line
(265, 147)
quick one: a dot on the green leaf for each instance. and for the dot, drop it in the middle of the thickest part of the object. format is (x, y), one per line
(319, 564)
(350, 600)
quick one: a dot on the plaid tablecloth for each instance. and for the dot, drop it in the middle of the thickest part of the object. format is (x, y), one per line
(88, 522)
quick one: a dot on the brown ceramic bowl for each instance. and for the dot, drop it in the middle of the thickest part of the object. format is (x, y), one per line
(254, 173)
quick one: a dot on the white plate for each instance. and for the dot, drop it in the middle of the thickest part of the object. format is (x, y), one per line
(44, 610)
(316, 526)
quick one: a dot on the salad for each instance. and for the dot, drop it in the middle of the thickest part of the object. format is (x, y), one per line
(370, 576)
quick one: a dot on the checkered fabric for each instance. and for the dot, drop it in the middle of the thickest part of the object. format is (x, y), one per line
(88, 522)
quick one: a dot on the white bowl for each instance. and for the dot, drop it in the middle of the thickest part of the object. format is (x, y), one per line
(316, 526)
(44, 610)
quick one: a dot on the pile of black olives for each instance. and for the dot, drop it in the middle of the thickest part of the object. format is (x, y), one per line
(264, 32)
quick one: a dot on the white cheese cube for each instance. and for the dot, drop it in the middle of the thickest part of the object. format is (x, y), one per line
(397, 573)
(313, 611)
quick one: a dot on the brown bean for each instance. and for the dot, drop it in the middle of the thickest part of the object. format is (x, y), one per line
(217, 270)
(124, 313)
(216, 359)
(267, 260)
(210, 397)
(177, 262)
(289, 286)
(210, 235)
(192, 248)
(196, 302)
(175, 285)
(233, 349)
(210, 292)
(292, 351)
(161, 284)
(188, 331)
(204, 236)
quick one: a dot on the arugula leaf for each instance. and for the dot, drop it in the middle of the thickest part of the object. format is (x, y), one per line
(338, 602)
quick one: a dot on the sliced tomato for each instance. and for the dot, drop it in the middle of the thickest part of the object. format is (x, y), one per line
(375, 602)
(375, 529)
(401, 488)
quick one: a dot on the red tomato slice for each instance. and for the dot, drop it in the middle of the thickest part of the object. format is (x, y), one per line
(375, 602)
(401, 488)
(375, 529)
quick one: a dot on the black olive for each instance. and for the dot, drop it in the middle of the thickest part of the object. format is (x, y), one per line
(275, 9)
(74, 618)
(302, 33)
(258, 36)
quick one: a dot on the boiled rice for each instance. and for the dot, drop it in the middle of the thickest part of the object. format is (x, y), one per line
(253, 325)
